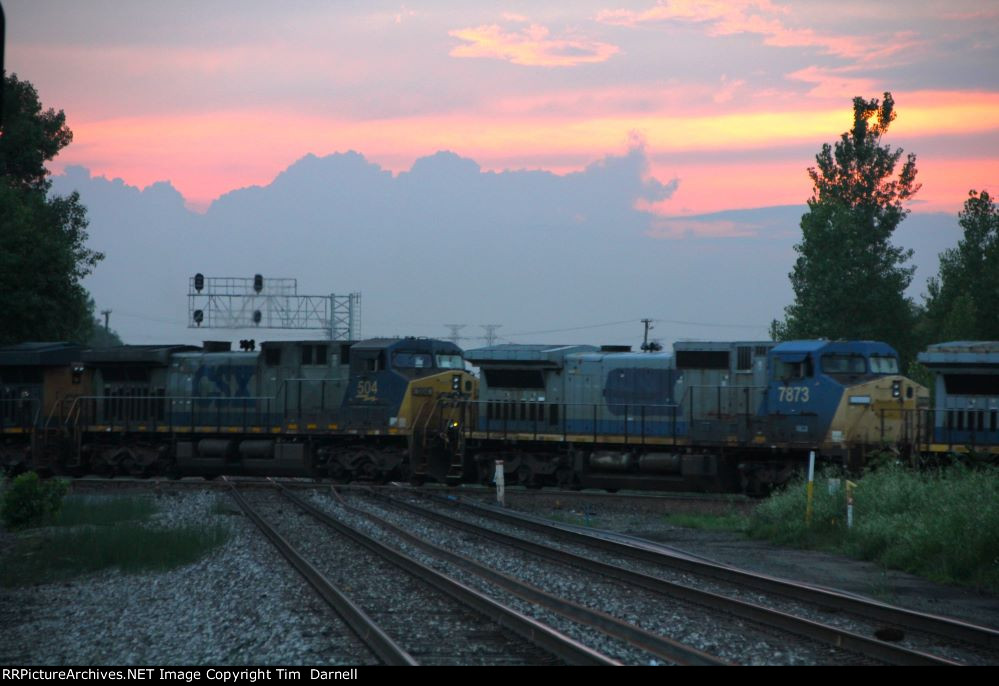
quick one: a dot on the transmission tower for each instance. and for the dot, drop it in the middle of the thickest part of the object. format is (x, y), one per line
(455, 336)
(273, 303)
(490, 336)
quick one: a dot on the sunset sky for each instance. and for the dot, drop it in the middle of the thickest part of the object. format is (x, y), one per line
(731, 99)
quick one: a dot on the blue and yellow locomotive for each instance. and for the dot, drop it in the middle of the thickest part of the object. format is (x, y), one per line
(724, 416)
(715, 416)
(377, 409)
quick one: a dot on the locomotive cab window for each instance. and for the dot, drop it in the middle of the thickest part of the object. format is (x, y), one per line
(795, 367)
(850, 365)
(366, 362)
(450, 362)
(404, 360)
(883, 364)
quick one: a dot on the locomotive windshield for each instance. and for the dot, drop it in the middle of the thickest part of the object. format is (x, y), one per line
(844, 364)
(450, 362)
(405, 360)
(883, 364)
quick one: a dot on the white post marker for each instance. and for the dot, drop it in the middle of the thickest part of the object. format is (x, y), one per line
(500, 484)
(811, 487)
(849, 503)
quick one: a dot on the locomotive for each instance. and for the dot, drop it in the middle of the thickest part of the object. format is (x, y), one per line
(965, 414)
(371, 409)
(708, 416)
(720, 416)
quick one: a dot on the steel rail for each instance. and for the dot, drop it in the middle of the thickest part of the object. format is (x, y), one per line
(556, 643)
(833, 636)
(647, 551)
(666, 648)
(359, 622)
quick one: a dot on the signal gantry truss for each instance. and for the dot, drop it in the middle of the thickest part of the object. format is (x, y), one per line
(272, 303)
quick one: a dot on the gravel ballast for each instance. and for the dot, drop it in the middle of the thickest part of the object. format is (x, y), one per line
(238, 605)
(242, 605)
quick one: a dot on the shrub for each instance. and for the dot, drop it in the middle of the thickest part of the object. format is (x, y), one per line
(781, 518)
(940, 523)
(30, 501)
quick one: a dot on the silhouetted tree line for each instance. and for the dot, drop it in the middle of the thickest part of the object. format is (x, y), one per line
(43, 251)
(849, 280)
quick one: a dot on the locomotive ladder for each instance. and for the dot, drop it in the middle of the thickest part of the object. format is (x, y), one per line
(51, 442)
(421, 440)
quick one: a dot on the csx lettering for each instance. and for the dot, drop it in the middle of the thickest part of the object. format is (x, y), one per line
(793, 394)
(367, 390)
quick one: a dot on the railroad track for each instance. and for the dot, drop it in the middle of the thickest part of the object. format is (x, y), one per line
(406, 612)
(638, 640)
(837, 619)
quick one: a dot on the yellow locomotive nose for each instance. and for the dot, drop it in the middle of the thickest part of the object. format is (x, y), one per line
(879, 411)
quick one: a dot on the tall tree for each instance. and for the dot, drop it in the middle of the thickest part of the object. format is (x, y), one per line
(43, 252)
(962, 300)
(849, 280)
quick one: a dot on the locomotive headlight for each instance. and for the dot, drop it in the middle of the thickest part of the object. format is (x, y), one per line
(896, 389)
(456, 382)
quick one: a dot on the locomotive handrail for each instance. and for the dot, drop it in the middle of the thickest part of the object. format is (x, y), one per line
(11, 413)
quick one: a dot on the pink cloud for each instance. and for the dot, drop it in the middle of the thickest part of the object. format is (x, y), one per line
(531, 46)
(831, 83)
(697, 11)
(763, 18)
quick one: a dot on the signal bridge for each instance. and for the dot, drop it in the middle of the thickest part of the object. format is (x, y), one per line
(271, 303)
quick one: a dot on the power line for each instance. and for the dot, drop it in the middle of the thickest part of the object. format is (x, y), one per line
(575, 328)
(720, 326)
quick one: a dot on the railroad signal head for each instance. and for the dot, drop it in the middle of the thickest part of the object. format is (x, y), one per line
(199, 317)
(257, 316)
(199, 282)
(258, 283)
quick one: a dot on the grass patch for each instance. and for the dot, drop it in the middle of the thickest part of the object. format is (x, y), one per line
(93, 533)
(82, 510)
(731, 521)
(941, 524)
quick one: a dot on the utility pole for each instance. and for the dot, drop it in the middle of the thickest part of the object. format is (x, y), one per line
(107, 320)
(646, 346)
